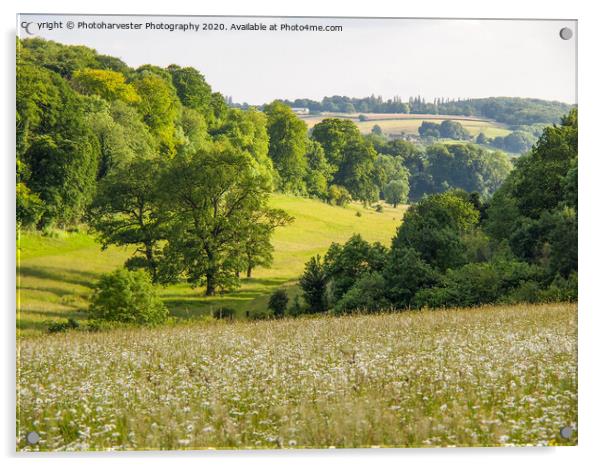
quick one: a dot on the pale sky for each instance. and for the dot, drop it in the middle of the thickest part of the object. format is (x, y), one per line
(405, 57)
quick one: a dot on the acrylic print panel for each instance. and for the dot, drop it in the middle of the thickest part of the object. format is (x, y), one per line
(266, 232)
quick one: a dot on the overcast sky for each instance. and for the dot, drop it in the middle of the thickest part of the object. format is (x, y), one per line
(388, 57)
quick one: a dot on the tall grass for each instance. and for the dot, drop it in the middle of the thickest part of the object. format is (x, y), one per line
(496, 375)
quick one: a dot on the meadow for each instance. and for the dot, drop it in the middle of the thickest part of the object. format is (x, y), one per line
(394, 124)
(495, 375)
(56, 272)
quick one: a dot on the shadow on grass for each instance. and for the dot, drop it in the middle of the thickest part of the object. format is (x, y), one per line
(25, 322)
(74, 277)
(189, 303)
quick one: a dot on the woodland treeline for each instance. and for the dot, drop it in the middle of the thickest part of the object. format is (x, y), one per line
(510, 110)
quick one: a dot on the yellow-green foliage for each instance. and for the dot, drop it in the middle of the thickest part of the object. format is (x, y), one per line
(494, 375)
(57, 271)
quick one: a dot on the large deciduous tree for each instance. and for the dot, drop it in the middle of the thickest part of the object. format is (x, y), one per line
(126, 212)
(215, 198)
(288, 142)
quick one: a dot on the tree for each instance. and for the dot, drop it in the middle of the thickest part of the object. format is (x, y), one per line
(406, 273)
(319, 171)
(256, 240)
(347, 263)
(213, 198)
(356, 171)
(313, 282)
(288, 138)
(435, 228)
(160, 109)
(377, 130)
(193, 91)
(55, 145)
(481, 138)
(453, 130)
(127, 212)
(334, 135)
(29, 206)
(110, 85)
(535, 210)
(388, 168)
(278, 302)
(396, 192)
(368, 293)
(429, 130)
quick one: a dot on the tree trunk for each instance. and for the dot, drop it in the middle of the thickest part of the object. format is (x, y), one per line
(150, 259)
(249, 270)
(210, 284)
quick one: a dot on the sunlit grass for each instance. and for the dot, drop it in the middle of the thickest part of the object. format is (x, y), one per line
(56, 273)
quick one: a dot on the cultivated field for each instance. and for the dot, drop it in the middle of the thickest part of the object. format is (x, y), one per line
(56, 273)
(489, 376)
(396, 123)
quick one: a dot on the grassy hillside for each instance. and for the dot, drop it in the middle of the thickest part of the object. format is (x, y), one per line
(496, 375)
(56, 273)
(409, 123)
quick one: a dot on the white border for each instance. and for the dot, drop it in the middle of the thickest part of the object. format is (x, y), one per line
(590, 315)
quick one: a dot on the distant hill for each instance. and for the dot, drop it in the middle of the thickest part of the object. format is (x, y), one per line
(512, 111)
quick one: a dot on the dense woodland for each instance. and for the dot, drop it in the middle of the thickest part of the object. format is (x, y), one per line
(155, 159)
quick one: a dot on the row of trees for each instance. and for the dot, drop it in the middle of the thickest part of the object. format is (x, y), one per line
(508, 110)
(452, 249)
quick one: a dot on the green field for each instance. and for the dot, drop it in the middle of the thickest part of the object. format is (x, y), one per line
(409, 124)
(56, 272)
(496, 375)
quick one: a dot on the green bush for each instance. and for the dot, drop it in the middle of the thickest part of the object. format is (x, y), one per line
(562, 289)
(367, 294)
(338, 195)
(56, 327)
(224, 313)
(278, 302)
(260, 314)
(127, 296)
(480, 283)
(296, 309)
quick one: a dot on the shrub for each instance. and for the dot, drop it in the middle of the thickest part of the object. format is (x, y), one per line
(367, 294)
(338, 195)
(562, 289)
(296, 308)
(379, 208)
(260, 314)
(481, 283)
(278, 302)
(127, 296)
(56, 327)
(224, 313)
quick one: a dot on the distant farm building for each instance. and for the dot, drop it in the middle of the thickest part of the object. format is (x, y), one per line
(301, 110)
